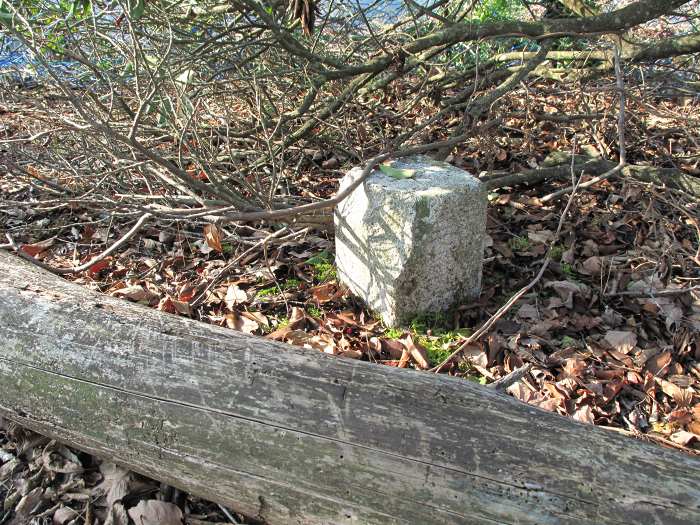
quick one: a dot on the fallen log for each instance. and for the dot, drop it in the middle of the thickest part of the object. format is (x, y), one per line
(291, 436)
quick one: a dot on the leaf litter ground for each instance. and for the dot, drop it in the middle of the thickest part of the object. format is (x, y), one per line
(611, 331)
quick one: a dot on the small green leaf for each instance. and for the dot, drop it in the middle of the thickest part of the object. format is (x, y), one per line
(397, 173)
(138, 9)
(6, 17)
(319, 258)
(78, 7)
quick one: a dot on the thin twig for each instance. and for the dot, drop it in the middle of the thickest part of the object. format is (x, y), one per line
(510, 379)
(652, 293)
(77, 269)
(371, 164)
(514, 299)
(227, 269)
(620, 134)
(228, 514)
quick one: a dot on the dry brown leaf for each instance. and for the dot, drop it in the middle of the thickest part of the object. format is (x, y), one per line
(503, 249)
(477, 357)
(528, 311)
(297, 320)
(186, 292)
(574, 368)
(30, 503)
(154, 512)
(682, 416)
(212, 235)
(496, 344)
(136, 293)
(542, 328)
(680, 395)
(569, 256)
(641, 356)
(672, 313)
(294, 337)
(560, 391)
(684, 438)
(659, 363)
(234, 296)
(591, 266)
(694, 427)
(297, 317)
(116, 515)
(323, 342)
(683, 381)
(173, 306)
(567, 289)
(520, 391)
(614, 373)
(611, 390)
(38, 247)
(258, 317)
(541, 236)
(621, 341)
(243, 324)
(524, 394)
(324, 293)
(418, 353)
(622, 358)
(393, 348)
(279, 334)
(405, 359)
(584, 414)
(58, 458)
(63, 515)
(8, 468)
(116, 483)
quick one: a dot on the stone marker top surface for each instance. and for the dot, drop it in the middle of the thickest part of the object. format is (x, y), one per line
(430, 177)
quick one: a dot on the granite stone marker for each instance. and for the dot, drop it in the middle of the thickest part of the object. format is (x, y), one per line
(412, 246)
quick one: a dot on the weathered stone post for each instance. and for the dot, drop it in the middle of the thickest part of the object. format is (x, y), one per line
(412, 246)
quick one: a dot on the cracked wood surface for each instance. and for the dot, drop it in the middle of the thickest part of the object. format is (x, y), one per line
(293, 436)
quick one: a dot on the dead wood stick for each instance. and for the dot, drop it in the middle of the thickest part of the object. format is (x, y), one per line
(514, 299)
(495, 317)
(595, 180)
(652, 293)
(77, 269)
(667, 177)
(510, 379)
(227, 269)
(620, 84)
(230, 213)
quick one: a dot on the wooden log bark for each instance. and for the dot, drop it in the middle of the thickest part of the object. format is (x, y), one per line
(559, 167)
(297, 437)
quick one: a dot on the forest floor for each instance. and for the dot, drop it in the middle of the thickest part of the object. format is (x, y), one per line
(610, 330)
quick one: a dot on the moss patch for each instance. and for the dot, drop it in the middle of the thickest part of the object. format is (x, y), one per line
(323, 268)
(440, 344)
